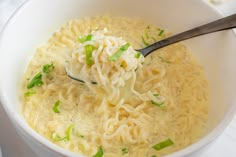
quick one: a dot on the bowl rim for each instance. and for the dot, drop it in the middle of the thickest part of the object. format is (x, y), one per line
(19, 122)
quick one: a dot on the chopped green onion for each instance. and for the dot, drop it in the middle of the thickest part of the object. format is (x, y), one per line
(156, 94)
(29, 93)
(145, 42)
(36, 81)
(89, 37)
(99, 152)
(161, 32)
(158, 104)
(47, 68)
(118, 53)
(146, 32)
(55, 137)
(138, 54)
(163, 60)
(85, 38)
(82, 136)
(154, 39)
(214, 1)
(68, 131)
(125, 47)
(55, 107)
(124, 151)
(163, 144)
(88, 52)
(153, 156)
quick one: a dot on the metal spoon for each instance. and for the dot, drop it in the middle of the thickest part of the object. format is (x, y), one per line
(228, 22)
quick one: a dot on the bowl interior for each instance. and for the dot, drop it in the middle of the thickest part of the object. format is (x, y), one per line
(38, 19)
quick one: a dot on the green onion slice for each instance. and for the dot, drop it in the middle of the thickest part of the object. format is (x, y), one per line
(29, 93)
(85, 38)
(68, 131)
(163, 144)
(138, 54)
(99, 152)
(82, 136)
(56, 137)
(55, 107)
(161, 32)
(146, 31)
(125, 47)
(145, 42)
(36, 81)
(118, 53)
(158, 104)
(163, 60)
(88, 52)
(156, 94)
(47, 68)
(124, 151)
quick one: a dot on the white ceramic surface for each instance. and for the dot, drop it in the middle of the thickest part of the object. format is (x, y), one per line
(177, 20)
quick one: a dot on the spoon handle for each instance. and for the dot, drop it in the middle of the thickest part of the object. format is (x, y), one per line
(219, 25)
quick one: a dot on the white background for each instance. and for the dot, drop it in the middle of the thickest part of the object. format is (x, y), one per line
(12, 146)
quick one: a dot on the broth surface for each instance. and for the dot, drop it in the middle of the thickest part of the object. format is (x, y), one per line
(121, 124)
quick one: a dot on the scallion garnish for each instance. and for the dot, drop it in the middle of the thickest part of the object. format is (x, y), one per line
(146, 32)
(88, 52)
(153, 156)
(163, 60)
(154, 39)
(125, 47)
(47, 68)
(67, 132)
(85, 38)
(138, 54)
(156, 94)
(163, 144)
(124, 151)
(36, 81)
(158, 104)
(145, 42)
(82, 136)
(118, 53)
(55, 137)
(161, 32)
(29, 93)
(99, 152)
(55, 107)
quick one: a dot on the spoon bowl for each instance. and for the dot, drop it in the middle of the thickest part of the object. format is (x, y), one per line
(215, 26)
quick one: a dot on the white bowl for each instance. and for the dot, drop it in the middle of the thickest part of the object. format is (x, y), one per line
(36, 20)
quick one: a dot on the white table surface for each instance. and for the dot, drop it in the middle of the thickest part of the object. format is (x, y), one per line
(13, 146)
